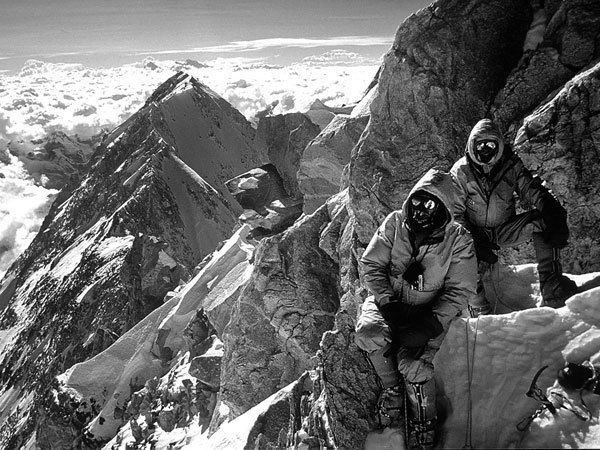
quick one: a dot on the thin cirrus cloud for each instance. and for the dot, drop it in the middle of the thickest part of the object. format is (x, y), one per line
(262, 44)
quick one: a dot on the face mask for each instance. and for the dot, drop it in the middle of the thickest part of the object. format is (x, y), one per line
(422, 210)
(486, 150)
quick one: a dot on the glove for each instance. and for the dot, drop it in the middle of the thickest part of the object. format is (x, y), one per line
(416, 328)
(413, 336)
(484, 249)
(393, 312)
(412, 272)
(556, 233)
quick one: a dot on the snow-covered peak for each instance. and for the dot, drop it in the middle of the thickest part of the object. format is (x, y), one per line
(152, 206)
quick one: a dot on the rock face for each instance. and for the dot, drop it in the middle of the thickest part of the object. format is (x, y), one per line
(285, 137)
(106, 256)
(439, 78)
(324, 158)
(560, 141)
(568, 33)
(280, 316)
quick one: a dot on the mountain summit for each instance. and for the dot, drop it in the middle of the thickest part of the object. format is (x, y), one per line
(151, 208)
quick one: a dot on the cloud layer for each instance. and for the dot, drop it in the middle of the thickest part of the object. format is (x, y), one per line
(23, 206)
(44, 97)
(262, 44)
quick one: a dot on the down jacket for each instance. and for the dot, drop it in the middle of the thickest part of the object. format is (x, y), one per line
(485, 193)
(450, 276)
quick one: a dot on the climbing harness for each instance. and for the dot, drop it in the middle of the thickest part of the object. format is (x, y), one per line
(470, 367)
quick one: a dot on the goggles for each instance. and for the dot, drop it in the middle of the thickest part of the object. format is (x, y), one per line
(486, 146)
(421, 203)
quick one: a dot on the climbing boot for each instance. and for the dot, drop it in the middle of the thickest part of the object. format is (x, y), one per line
(554, 286)
(390, 406)
(422, 415)
(556, 291)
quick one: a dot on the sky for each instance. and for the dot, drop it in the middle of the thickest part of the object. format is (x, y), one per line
(113, 32)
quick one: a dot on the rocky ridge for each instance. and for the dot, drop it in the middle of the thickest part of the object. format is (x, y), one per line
(285, 136)
(108, 253)
(284, 308)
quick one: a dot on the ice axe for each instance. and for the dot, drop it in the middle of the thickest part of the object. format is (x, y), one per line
(536, 393)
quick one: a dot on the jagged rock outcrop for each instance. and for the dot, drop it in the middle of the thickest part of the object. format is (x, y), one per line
(324, 158)
(439, 78)
(280, 315)
(174, 343)
(567, 42)
(321, 114)
(285, 137)
(106, 255)
(336, 407)
(270, 424)
(57, 159)
(560, 141)
(268, 209)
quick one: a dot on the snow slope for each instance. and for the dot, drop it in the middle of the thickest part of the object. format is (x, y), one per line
(508, 350)
(108, 252)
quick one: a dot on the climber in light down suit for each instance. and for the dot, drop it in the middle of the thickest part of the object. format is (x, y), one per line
(421, 268)
(486, 179)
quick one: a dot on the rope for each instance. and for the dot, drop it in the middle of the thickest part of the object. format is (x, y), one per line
(470, 370)
(494, 280)
(406, 430)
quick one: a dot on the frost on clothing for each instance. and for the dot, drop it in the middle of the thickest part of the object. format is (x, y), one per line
(447, 256)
